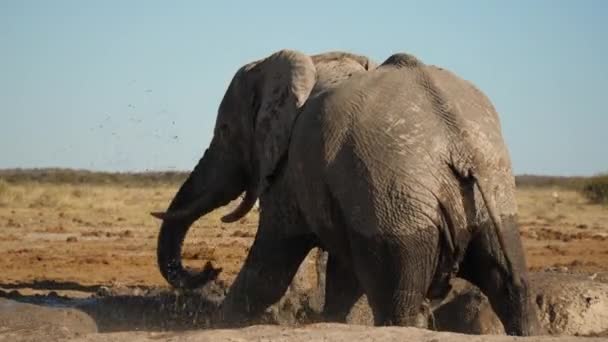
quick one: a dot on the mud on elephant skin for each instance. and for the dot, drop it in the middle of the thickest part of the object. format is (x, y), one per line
(390, 168)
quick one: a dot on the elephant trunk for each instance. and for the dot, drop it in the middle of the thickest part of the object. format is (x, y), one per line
(212, 183)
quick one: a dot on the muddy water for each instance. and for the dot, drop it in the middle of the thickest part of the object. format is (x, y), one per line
(134, 309)
(153, 309)
(568, 304)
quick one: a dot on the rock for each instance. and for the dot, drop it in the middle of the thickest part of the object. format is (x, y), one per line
(28, 322)
(310, 278)
(570, 304)
(361, 313)
(468, 312)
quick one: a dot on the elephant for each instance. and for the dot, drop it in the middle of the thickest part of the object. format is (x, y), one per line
(398, 170)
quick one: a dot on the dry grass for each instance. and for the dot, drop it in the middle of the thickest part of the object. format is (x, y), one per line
(559, 207)
(129, 197)
(595, 189)
(101, 234)
(97, 232)
(95, 205)
(131, 203)
(84, 177)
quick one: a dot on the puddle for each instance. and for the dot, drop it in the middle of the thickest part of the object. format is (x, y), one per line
(153, 309)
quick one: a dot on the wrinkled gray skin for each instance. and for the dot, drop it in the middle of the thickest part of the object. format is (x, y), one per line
(400, 171)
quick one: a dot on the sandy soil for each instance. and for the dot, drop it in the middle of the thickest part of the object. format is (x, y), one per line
(76, 241)
(92, 236)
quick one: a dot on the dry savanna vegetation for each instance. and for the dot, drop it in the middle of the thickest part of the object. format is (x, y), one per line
(94, 228)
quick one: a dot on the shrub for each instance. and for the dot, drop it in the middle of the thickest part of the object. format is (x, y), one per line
(4, 187)
(47, 199)
(595, 189)
(4, 192)
(539, 181)
(79, 177)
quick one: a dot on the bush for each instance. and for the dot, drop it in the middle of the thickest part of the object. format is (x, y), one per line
(4, 187)
(4, 192)
(7, 193)
(595, 189)
(80, 177)
(539, 181)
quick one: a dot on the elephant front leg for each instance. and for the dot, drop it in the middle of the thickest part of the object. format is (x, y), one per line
(342, 290)
(267, 272)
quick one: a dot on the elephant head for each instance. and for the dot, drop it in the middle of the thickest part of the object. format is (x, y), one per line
(251, 134)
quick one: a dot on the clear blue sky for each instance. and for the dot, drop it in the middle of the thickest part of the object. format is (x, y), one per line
(135, 85)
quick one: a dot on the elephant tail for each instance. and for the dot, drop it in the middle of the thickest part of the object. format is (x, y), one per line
(484, 186)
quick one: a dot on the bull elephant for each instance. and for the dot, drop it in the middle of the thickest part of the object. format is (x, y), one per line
(399, 171)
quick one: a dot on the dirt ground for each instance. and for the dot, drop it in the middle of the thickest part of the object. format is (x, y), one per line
(93, 248)
(75, 237)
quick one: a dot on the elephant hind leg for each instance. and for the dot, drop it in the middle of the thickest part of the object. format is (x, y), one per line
(485, 266)
(396, 272)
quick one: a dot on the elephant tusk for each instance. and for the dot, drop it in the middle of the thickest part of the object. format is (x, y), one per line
(169, 215)
(244, 207)
(159, 214)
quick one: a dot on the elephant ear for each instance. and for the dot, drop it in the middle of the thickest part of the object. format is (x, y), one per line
(287, 78)
(281, 85)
